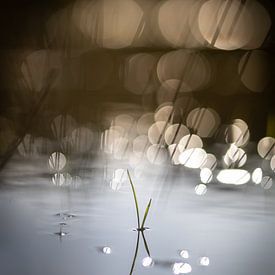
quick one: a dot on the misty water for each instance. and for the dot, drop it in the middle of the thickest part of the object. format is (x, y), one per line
(46, 229)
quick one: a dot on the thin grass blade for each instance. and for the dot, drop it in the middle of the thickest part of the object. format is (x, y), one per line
(146, 213)
(135, 255)
(145, 244)
(135, 197)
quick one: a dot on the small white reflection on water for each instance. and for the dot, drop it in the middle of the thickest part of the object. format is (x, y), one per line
(181, 268)
(206, 175)
(266, 182)
(204, 261)
(184, 254)
(201, 189)
(257, 175)
(147, 262)
(106, 250)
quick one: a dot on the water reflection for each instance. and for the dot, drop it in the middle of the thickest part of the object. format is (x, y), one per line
(181, 268)
(204, 261)
(61, 233)
(184, 254)
(181, 116)
(147, 262)
(107, 250)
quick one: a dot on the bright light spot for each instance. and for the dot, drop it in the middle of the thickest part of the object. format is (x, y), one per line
(206, 175)
(204, 261)
(266, 147)
(190, 141)
(184, 254)
(232, 134)
(156, 131)
(236, 156)
(119, 177)
(193, 158)
(174, 133)
(257, 175)
(266, 182)
(233, 152)
(242, 125)
(57, 161)
(147, 262)
(233, 176)
(60, 179)
(242, 158)
(181, 268)
(106, 250)
(201, 189)
(210, 162)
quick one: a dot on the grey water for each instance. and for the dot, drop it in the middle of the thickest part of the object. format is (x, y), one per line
(233, 227)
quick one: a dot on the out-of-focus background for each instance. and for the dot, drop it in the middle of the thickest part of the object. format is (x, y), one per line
(178, 92)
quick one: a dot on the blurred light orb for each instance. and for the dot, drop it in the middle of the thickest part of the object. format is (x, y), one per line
(147, 262)
(156, 131)
(167, 91)
(122, 148)
(175, 65)
(201, 189)
(140, 145)
(174, 133)
(242, 158)
(233, 152)
(225, 25)
(138, 72)
(181, 268)
(117, 23)
(235, 156)
(157, 154)
(204, 261)
(232, 134)
(60, 179)
(233, 176)
(174, 153)
(190, 141)
(106, 250)
(165, 112)
(272, 163)
(118, 178)
(144, 123)
(57, 161)
(257, 175)
(109, 138)
(173, 23)
(266, 147)
(193, 158)
(184, 254)
(210, 162)
(203, 121)
(266, 182)
(126, 124)
(244, 138)
(206, 175)
(254, 70)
